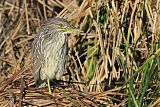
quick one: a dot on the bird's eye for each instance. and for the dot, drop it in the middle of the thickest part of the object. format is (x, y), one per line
(62, 26)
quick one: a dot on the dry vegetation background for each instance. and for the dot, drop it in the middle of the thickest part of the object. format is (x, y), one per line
(114, 62)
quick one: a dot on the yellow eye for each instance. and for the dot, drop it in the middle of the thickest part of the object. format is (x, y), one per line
(62, 26)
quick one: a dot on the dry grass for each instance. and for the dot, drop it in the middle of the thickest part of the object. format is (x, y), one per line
(115, 62)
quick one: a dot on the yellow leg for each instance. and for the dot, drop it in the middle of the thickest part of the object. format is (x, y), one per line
(49, 87)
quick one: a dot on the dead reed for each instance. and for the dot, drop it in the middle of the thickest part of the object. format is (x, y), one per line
(115, 62)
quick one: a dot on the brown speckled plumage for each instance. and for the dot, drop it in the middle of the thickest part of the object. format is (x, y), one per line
(50, 50)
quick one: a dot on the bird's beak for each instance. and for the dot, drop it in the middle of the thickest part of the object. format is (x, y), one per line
(73, 29)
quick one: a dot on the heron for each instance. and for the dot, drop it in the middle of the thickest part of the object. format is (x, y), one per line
(49, 52)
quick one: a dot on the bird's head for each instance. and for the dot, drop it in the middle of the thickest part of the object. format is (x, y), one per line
(62, 25)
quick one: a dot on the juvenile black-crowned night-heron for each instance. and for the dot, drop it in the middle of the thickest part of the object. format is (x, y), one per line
(50, 50)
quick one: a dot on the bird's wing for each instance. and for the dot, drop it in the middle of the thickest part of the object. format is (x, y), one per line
(37, 60)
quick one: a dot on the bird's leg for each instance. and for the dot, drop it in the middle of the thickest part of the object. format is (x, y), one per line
(49, 87)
